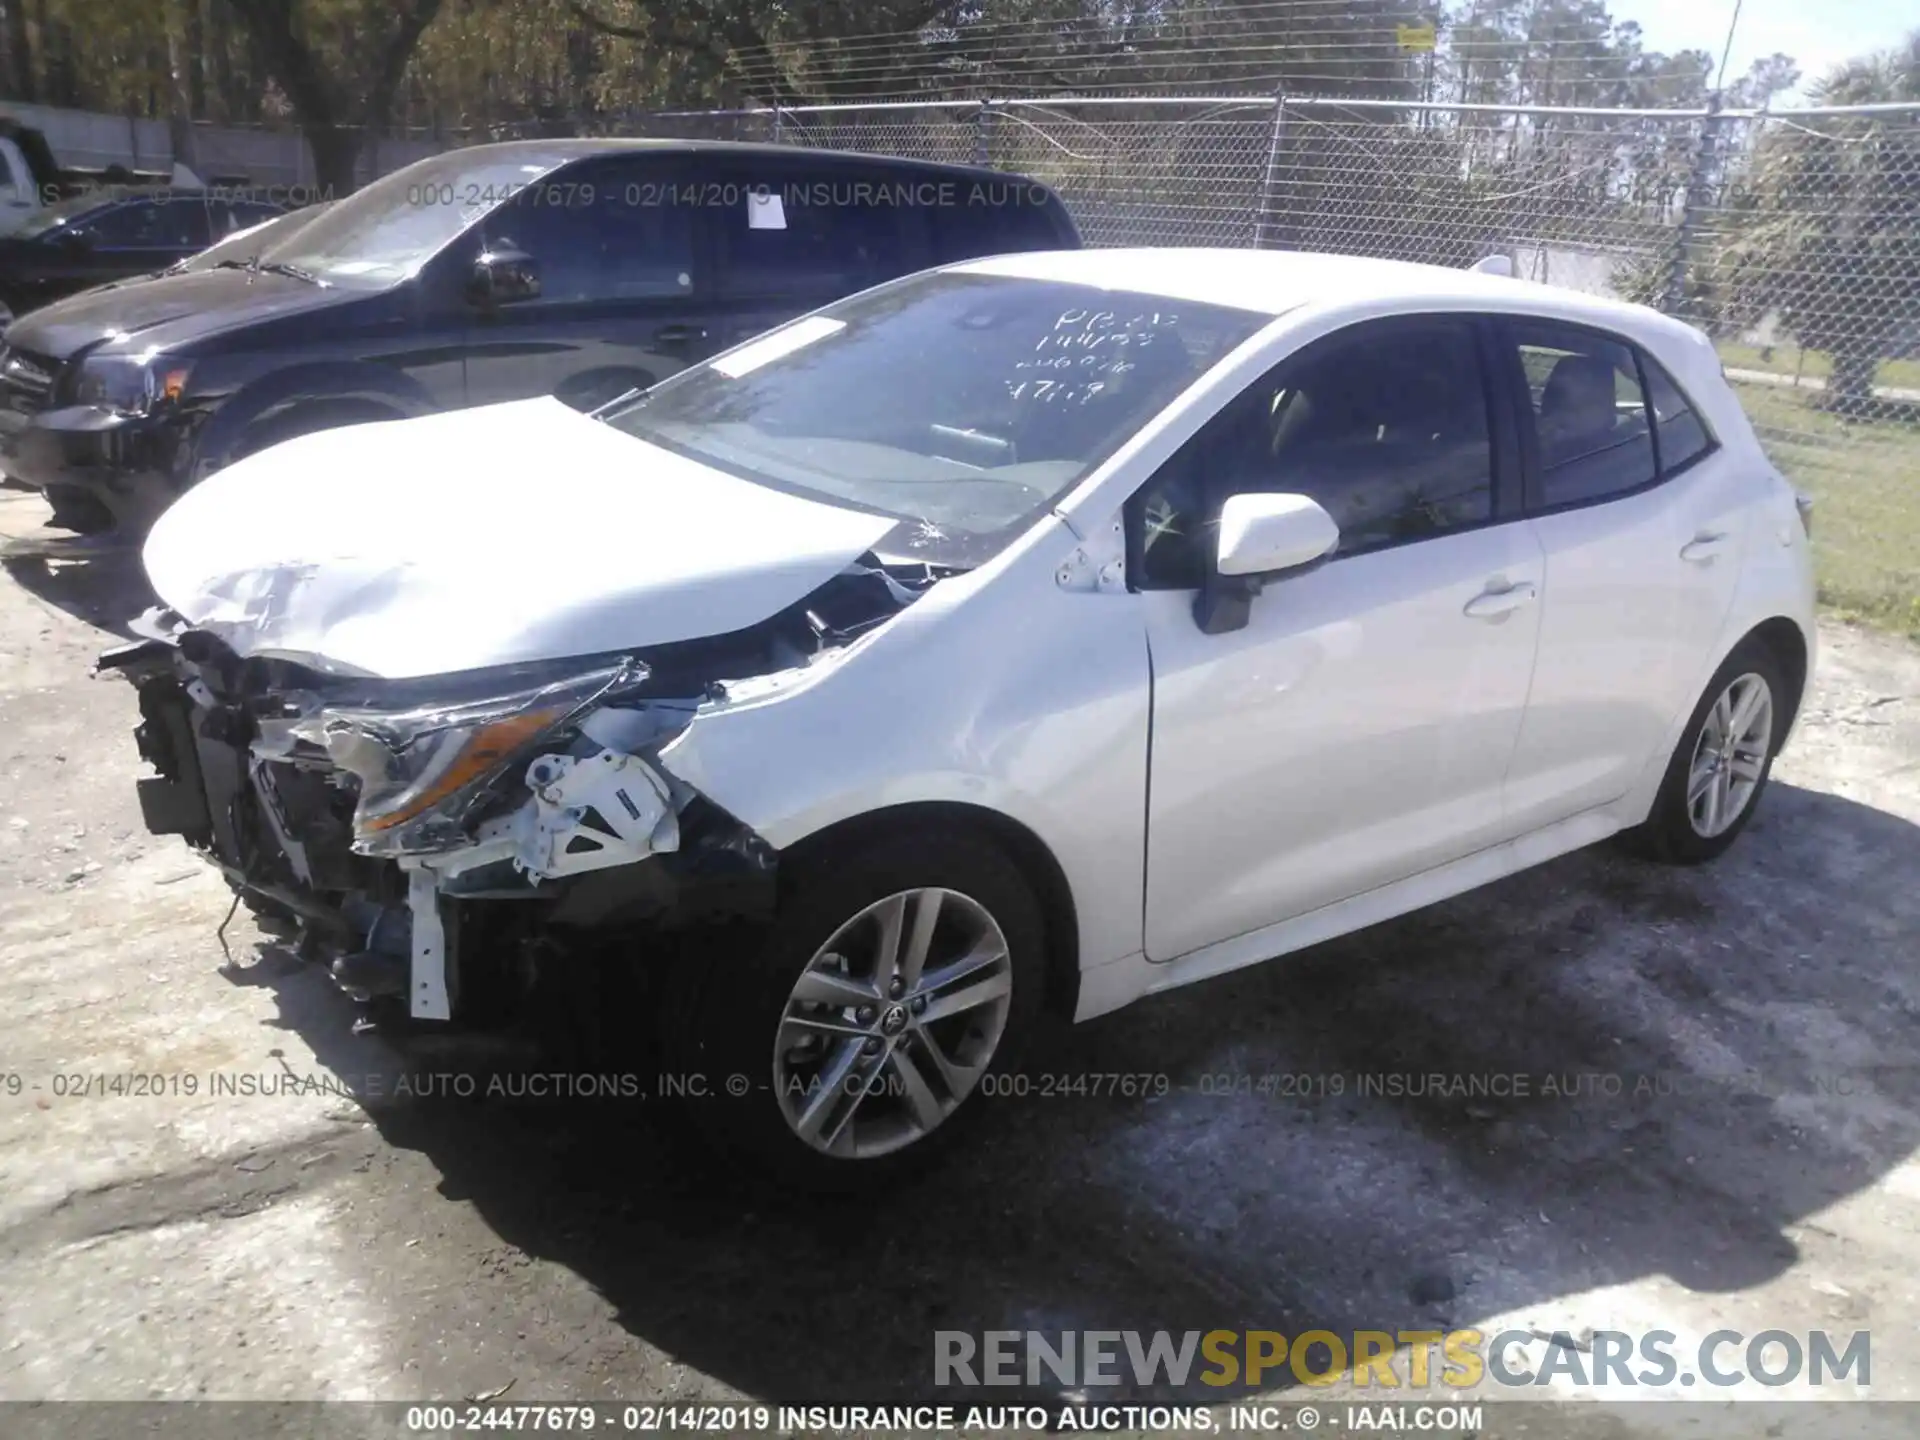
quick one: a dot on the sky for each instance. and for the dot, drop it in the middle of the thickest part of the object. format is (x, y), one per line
(1817, 33)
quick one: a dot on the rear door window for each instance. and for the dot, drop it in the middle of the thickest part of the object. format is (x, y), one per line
(813, 231)
(1591, 432)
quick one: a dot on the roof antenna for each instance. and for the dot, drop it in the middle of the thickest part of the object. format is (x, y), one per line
(1494, 265)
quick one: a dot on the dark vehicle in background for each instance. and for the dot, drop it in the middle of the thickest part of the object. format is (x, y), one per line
(577, 268)
(243, 247)
(90, 239)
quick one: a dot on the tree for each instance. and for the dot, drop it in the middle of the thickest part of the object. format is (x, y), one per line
(340, 64)
(786, 53)
(1828, 225)
(1765, 78)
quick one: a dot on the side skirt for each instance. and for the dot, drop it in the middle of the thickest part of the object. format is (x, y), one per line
(1108, 987)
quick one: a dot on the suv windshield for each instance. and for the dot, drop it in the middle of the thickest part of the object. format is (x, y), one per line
(243, 245)
(386, 232)
(962, 405)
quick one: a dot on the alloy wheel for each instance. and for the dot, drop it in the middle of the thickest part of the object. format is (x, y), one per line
(892, 1023)
(1730, 756)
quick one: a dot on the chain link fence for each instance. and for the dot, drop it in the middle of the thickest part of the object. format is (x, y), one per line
(1793, 240)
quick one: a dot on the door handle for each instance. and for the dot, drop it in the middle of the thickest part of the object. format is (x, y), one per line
(1703, 547)
(1492, 604)
(679, 334)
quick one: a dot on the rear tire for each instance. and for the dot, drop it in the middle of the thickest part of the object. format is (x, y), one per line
(818, 1067)
(1720, 768)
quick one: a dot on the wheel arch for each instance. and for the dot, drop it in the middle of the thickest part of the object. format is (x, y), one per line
(1027, 850)
(1788, 640)
(1789, 645)
(284, 391)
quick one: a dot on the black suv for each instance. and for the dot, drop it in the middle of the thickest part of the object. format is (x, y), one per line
(577, 268)
(81, 242)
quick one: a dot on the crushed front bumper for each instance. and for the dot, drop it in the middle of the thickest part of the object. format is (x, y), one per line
(126, 462)
(463, 937)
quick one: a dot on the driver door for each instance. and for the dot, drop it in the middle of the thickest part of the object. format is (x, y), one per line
(621, 303)
(1357, 730)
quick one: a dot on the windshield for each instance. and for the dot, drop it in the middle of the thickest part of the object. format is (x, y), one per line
(386, 232)
(962, 405)
(243, 245)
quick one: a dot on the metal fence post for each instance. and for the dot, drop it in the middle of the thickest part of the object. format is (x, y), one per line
(773, 124)
(1264, 227)
(983, 134)
(1673, 295)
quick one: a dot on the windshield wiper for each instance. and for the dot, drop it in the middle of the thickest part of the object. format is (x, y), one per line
(281, 267)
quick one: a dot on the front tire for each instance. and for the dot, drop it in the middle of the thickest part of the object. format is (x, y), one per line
(309, 419)
(1721, 766)
(851, 1038)
(78, 510)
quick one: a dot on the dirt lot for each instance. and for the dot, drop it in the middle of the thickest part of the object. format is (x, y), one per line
(1754, 1170)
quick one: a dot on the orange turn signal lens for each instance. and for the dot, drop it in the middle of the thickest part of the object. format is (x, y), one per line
(489, 748)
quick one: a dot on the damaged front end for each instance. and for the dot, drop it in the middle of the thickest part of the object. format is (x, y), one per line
(465, 841)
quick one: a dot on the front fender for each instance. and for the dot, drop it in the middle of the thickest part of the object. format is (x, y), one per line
(1014, 696)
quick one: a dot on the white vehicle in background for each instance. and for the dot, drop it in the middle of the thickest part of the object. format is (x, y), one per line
(31, 179)
(1028, 635)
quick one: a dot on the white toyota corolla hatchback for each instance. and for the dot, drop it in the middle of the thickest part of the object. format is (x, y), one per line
(1024, 636)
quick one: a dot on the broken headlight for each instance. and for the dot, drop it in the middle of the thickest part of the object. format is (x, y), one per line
(425, 772)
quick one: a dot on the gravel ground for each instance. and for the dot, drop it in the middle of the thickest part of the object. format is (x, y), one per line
(1751, 1171)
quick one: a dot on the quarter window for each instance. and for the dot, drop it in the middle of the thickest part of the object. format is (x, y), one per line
(1386, 426)
(1589, 415)
(1683, 436)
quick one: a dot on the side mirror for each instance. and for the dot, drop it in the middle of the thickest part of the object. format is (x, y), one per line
(503, 275)
(1260, 535)
(76, 238)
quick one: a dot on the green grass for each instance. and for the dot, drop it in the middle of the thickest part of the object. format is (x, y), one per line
(1865, 481)
(1792, 360)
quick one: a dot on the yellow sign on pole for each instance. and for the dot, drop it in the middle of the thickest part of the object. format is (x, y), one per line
(1415, 37)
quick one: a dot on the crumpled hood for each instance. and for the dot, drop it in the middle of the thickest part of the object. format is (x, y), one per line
(493, 536)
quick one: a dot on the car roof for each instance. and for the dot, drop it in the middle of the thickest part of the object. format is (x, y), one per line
(1277, 282)
(558, 152)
